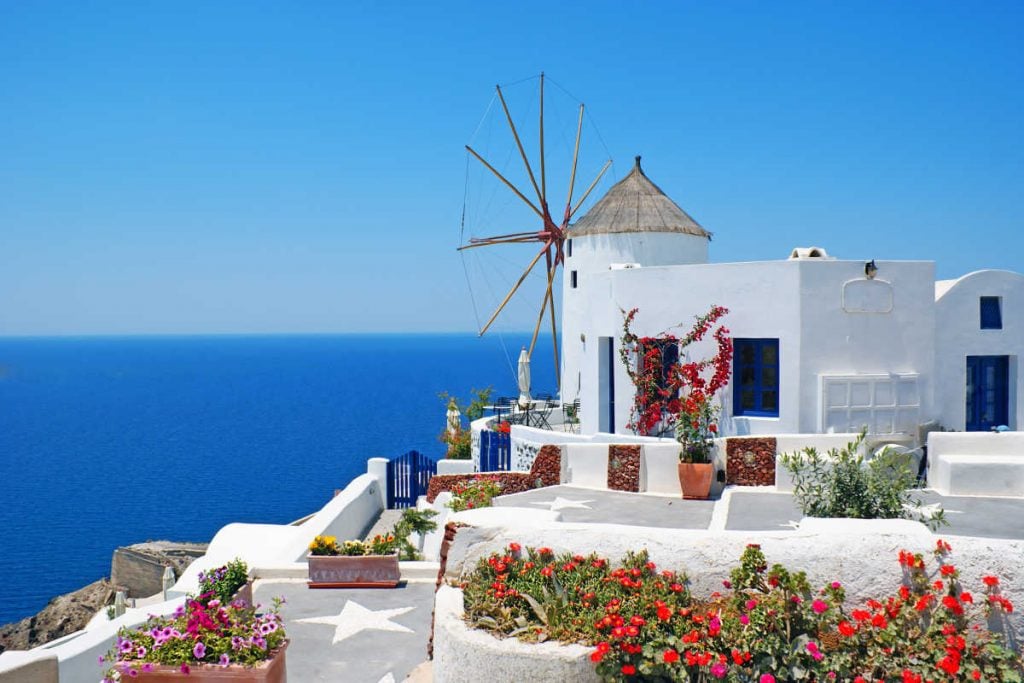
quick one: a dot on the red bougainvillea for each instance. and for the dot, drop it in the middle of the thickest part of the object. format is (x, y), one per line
(672, 393)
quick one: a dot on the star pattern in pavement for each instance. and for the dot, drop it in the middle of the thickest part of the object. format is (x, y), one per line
(355, 618)
(560, 503)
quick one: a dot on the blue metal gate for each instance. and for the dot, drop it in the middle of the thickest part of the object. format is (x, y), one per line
(495, 451)
(408, 478)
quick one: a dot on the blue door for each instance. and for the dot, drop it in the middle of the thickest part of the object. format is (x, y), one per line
(988, 395)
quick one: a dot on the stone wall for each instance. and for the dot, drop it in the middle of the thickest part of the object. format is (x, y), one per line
(624, 468)
(750, 461)
(139, 568)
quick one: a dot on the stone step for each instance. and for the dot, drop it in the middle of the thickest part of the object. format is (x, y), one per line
(385, 523)
(976, 475)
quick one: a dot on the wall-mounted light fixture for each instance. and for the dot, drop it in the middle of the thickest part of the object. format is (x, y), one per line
(870, 269)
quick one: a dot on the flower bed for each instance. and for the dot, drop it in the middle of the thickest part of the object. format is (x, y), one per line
(765, 625)
(510, 482)
(201, 633)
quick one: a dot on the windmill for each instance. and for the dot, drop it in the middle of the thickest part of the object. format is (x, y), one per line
(551, 235)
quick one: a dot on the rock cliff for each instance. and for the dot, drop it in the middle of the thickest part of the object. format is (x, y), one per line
(136, 569)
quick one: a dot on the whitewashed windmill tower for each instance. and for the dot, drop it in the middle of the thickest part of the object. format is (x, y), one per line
(634, 224)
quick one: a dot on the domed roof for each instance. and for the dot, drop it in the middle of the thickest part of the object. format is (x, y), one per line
(635, 204)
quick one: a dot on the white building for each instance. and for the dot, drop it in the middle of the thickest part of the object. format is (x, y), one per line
(820, 345)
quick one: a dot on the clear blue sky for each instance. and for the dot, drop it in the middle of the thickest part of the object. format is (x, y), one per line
(299, 167)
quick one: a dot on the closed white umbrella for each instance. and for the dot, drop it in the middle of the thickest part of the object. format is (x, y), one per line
(454, 419)
(524, 379)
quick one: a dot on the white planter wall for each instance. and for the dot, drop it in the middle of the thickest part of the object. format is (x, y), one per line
(862, 554)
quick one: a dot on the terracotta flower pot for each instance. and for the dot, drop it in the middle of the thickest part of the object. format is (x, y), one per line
(272, 670)
(695, 480)
(353, 571)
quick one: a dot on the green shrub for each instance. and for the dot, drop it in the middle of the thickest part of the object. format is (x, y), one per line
(840, 484)
(223, 582)
(473, 494)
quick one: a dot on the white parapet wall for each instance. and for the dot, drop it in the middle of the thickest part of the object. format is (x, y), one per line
(28, 667)
(585, 464)
(346, 516)
(463, 654)
(976, 463)
(448, 466)
(659, 471)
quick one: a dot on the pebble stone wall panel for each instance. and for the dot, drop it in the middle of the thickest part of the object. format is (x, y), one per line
(750, 461)
(624, 468)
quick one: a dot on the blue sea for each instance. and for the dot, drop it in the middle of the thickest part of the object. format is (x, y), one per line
(108, 441)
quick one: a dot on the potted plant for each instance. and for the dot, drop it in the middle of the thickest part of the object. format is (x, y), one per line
(227, 583)
(367, 564)
(673, 391)
(206, 640)
(695, 430)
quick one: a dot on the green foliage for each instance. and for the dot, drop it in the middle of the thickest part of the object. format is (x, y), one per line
(460, 444)
(473, 494)
(840, 484)
(223, 582)
(394, 541)
(413, 521)
(459, 441)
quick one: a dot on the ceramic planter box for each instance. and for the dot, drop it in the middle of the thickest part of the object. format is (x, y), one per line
(353, 571)
(272, 670)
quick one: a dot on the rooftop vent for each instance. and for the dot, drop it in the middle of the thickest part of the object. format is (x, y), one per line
(809, 253)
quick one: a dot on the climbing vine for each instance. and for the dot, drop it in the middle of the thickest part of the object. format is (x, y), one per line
(673, 394)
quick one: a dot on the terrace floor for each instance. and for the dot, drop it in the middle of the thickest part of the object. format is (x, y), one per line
(380, 636)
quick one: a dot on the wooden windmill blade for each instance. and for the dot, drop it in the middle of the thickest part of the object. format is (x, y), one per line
(551, 236)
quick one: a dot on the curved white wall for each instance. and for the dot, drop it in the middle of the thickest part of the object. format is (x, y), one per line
(595, 254)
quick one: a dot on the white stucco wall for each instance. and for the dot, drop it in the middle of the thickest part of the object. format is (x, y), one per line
(829, 319)
(959, 334)
(755, 293)
(839, 338)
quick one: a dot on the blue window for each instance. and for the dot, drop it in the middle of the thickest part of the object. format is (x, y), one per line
(991, 313)
(755, 371)
(573, 279)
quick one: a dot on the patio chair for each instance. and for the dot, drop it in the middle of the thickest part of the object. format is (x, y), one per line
(571, 416)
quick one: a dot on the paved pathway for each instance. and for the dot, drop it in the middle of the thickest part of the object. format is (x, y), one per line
(614, 507)
(357, 635)
(380, 636)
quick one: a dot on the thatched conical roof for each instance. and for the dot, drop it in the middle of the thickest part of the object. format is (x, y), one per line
(635, 204)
